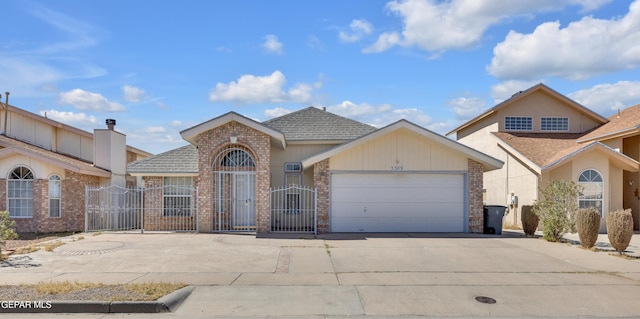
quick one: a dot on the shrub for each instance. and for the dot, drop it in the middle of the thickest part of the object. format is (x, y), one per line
(7, 229)
(530, 220)
(588, 224)
(556, 209)
(620, 229)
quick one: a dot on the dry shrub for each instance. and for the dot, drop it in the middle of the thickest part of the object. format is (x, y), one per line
(530, 220)
(620, 229)
(588, 224)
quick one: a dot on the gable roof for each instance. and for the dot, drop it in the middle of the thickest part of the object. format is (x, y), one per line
(191, 133)
(541, 151)
(488, 162)
(12, 147)
(311, 124)
(181, 161)
(523, 94)
(626, 122)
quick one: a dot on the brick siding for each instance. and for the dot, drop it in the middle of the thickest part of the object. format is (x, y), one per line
(476, 214)
(72, 204)
(321, 183)
(214, 141)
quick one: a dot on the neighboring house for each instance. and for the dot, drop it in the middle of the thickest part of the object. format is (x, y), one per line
(45, 166)
(542, 135)
(399, 178)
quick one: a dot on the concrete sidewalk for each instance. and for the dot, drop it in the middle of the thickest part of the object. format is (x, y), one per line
(361, 275)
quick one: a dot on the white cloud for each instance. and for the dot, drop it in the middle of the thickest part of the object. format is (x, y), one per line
(277, 112)
(507, 89)
(380, 115)
(581, 50)
(467, 107)
(262, 89)
(155, 129)
(358, 29)
(72, 119)
(271, 44)
(458, 24)
(84, 100)
(132, 93)
(607, 99)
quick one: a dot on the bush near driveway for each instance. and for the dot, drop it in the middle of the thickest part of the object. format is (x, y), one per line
(620, 229)
(588, 224)
(529, 219)
(7, 230)
(556, 209)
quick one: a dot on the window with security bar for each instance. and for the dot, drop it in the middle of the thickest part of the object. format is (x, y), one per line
(176, 197)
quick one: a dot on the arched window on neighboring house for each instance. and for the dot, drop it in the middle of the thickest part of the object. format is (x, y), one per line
(592, 191)
(20, 192)
(55, 196)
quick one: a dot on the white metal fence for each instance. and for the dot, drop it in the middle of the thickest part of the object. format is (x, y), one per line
(293, 209)
(116, 208)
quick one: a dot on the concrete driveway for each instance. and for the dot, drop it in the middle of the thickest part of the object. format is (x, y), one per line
(368, 275)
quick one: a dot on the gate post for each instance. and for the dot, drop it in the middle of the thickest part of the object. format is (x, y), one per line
(86, 208)
(142, 211)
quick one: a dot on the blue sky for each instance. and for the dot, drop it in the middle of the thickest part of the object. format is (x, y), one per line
(159, 67)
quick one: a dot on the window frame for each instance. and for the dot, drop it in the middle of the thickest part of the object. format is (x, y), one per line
(527, 119)
(178, 203)
(24, 181)
(55, 179)
(588, 185)
(554, 128)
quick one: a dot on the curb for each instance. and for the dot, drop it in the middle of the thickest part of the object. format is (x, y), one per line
(168, 303)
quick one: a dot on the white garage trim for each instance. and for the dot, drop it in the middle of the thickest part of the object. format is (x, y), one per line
(368, 201)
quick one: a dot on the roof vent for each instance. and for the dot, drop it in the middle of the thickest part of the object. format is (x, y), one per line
(111, 123)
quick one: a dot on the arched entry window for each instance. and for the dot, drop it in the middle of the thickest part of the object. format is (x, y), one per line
(20, 192)
(237, 158)
(591, 194)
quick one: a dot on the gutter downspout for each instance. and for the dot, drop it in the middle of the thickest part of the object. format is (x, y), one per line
(6, 112)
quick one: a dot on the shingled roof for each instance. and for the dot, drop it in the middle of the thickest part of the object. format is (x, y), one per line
(180, 161)
(312, 123)
(541, 148)
(626, 122)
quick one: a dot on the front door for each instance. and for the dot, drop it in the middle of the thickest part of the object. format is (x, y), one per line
(244, 204)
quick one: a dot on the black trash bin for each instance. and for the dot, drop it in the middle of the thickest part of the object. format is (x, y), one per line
(493, 215)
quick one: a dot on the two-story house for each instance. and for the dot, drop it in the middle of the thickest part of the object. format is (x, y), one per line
(45, 166)
(542, 135)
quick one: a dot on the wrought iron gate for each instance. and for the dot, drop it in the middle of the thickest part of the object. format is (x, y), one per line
(116, 208)
(294, 209)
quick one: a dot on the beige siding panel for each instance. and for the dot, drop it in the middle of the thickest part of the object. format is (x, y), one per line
(540, 104)
(401, 148)
(29, 130)
(75, 145)
(293, 153)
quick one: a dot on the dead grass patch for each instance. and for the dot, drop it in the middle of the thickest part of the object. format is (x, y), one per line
(26, 249)
(50, 246)
(68, 290)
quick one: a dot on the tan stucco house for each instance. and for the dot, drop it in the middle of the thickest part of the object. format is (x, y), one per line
(399, 178)
(45, 166)
(542, 135)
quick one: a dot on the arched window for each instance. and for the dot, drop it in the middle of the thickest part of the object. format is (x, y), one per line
(591, 194)
(237, 158)
(20, 192)
(55, 195)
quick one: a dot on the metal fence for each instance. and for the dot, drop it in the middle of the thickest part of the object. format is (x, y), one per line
(112, 208)
(116, 208)
(293, 209)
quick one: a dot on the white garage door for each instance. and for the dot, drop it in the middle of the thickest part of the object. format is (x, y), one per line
(397, 203)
